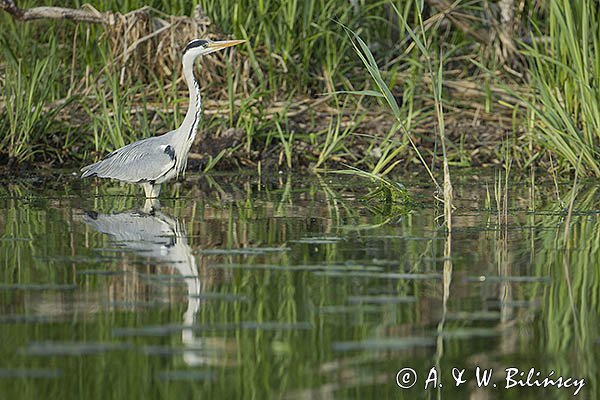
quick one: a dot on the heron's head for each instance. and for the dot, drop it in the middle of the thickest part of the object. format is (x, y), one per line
(200, 47)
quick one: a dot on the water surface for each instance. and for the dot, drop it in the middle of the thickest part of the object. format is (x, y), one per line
(295, 287)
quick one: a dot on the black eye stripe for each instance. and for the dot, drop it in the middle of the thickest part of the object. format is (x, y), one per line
(195, 43)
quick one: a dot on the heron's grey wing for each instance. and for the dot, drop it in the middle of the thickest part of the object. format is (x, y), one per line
(145, 160)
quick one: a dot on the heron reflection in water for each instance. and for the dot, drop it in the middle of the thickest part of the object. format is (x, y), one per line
(156, 235)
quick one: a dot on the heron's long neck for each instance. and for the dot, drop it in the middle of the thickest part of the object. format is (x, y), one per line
(189, 127)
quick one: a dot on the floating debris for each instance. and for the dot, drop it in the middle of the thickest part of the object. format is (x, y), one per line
(37, 286)
(133, 305)
(243, 251)
(220, 296)
(473, 316)
(344, 309)
(77, 259)
(15, 239)
(275, 326)
(316, 267)
(168, 351)
(514, 304)
(404, 237)
(512, 278)
(467, 333)
(30, 373)
(319, 240)
(385, 344)
(164, 330)
(73, 348)
(383, 299)
(185, 375)
(382, 275)
(23, 319)
(100, 272)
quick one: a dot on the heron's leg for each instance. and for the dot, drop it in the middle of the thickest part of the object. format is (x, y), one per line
(152, 190)
(147, 189)
(151, 205)
(155, 190)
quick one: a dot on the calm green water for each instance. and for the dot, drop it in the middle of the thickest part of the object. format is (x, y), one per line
(295, 288)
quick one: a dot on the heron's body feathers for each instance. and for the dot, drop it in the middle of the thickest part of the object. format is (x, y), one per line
(148, 160)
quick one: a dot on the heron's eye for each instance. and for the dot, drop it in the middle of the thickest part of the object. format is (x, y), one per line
(196, 43)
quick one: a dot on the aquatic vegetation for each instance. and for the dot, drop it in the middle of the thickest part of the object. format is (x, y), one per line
(564, 68)
(388, 158)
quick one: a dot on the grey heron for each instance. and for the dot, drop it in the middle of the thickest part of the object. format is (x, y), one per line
(155, 160)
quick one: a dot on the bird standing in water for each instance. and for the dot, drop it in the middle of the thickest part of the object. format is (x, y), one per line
(152, 161)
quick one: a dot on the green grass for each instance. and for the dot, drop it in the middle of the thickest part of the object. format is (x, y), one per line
(84, 107)
(295, 50)
(564, 80)
(31, 102)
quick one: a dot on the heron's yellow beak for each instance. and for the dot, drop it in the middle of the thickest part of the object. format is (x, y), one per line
(214, 46)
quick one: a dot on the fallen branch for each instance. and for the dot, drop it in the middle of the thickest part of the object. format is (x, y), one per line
(140, 41)
(81, 15)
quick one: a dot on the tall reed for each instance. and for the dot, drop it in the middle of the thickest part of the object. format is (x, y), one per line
(29, 91)
(436, 77)
(564, 80)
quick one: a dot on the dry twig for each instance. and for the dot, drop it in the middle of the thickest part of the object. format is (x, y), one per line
(81, 15)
